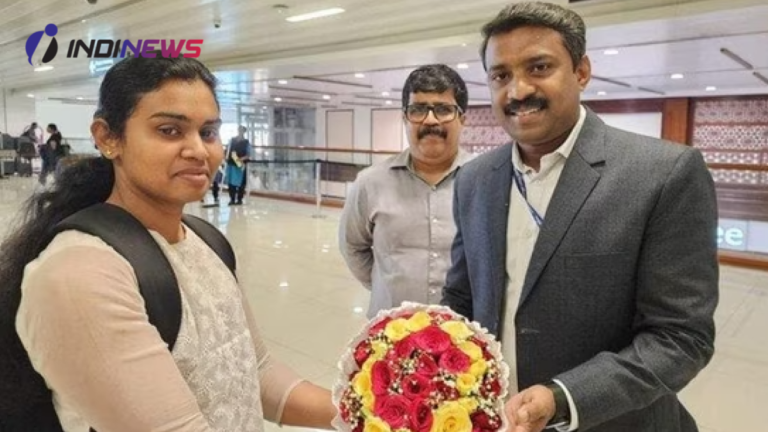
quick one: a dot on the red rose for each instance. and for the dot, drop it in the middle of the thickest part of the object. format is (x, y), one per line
(446, 392)
(454, 361)
(482, 422)
(404, 348)
(432, 339)
(420, 416)
(344, 411)
(381, 378)
(379, 327)
(362, 352)
(393, 410)
(491, 386)
(416, 387)
(426, 366)
(479, 342)
(487, 354)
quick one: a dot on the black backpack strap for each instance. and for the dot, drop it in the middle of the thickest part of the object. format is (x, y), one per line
(157, 281)
(214, 238)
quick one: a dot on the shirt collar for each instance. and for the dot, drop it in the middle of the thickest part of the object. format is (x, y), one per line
(564, 150)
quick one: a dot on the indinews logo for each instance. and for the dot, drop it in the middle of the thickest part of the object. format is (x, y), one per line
(108, 48)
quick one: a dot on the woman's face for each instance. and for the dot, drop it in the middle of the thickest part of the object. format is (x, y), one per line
(171, 146)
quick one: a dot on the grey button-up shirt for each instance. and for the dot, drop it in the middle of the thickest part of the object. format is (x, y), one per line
(396, 232)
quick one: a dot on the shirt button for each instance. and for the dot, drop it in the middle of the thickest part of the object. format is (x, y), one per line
(433, 291)
(434, 254)
(434, 220)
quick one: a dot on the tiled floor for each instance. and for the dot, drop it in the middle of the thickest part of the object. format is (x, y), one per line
(308, 305)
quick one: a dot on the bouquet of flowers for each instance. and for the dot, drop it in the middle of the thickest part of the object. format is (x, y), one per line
(421, 368)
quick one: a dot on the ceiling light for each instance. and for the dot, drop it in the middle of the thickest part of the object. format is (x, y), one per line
(30, 95)
(601, 93)
(284, 285)
(462, 66)
(79, 98)
(283, 82)
(359, 75)
(711, 88)
(358, 309)
(385, 94)
(677, 76)
(43, 68)
(388, 102)
(316, 14)
(327, 97)
(277, 99)
(83, 21)
(611, 52)
(463, 45)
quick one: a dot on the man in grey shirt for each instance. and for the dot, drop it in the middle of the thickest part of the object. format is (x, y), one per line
(397, 225)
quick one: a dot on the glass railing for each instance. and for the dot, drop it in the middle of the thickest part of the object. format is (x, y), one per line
(308, 173)
(742, 198)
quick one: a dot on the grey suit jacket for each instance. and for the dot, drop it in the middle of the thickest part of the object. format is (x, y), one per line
(619, 297)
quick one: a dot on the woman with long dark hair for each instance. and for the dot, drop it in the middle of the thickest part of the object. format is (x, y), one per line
(81, 318)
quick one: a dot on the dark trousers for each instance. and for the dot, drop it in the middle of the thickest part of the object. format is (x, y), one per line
(215, 190)
(48, 167)
(236, 193)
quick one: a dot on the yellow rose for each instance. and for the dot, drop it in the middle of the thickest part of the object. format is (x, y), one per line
(478, 368)
(397, 329)
(369, 400)
(451, 417)
(379, 349)
(470, 404)
(465, 383)
(368, 365)
(375, 424)
(419, 321)
(458, 330)
(472, 350)
(362, 383)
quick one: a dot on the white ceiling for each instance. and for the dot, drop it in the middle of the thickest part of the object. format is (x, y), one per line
(255, 47)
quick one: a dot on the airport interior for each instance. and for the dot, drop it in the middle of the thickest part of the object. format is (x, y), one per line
(320, 97)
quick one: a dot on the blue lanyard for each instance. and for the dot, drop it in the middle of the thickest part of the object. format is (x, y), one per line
(520, 182)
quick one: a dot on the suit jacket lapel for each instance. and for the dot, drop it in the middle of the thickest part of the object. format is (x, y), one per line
(498, 184)
(576, 182)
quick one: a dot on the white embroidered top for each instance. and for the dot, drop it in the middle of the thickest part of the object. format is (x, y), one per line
(84, 325)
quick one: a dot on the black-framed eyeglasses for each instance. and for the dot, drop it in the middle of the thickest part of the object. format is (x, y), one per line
(417, 113)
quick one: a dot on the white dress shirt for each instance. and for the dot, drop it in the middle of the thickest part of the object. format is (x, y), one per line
(522, 232)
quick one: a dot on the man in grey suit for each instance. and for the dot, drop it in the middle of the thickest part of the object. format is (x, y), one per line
(590, 252)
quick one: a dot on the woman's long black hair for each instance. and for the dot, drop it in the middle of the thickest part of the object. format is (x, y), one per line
(88, 182)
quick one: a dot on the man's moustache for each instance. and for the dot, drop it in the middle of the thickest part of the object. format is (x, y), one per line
(436, 131)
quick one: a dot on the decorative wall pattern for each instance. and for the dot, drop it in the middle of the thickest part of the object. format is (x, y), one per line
(732, 111)
(738, 177)
(481, 133)
(753, 158)
(733, 131)
(731, 136)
